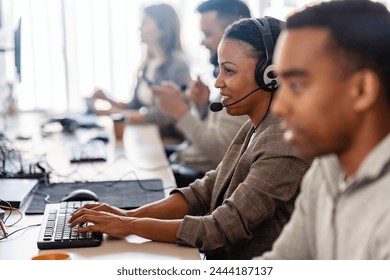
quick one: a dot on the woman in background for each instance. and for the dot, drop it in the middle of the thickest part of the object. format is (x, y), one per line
(164, 61)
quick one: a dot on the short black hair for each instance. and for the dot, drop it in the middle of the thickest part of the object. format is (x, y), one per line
(246, 31)
(228, 11)
(359, 30)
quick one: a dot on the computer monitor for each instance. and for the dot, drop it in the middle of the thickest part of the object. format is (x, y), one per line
(1, 13)
(6, 88)
(16, 49)
(17, 54)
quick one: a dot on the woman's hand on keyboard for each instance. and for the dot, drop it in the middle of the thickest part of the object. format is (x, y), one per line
(100, 221)
(103, 207)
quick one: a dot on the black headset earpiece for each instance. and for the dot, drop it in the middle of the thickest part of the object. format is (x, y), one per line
(265, 72)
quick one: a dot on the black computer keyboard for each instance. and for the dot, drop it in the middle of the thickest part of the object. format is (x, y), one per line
(91, 151)
(55, 232)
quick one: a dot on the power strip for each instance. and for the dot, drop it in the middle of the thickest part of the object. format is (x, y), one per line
(2, 213)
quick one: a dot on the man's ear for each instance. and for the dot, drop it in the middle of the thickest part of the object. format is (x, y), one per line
(366, 89)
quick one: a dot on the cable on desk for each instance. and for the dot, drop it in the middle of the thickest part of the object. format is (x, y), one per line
(3, 222)
(139, 182)
(9, 207)
(9, 214)
(135, 174)
(46, 195)
(99, 172)
(133, 163)
(117, 158)
(13, 165)
(66, 176)
(9, 234)
(148, 168)
(56, 173)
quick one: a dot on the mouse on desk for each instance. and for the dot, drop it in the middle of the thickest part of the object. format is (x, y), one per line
(80, 195)
(105, 139)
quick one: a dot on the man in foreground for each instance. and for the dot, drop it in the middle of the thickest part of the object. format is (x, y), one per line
(334, 63)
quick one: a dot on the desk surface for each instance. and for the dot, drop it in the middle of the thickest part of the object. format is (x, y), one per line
(141, 153)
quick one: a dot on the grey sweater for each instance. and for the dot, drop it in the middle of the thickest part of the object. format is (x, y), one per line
(334, 219)
(175, 69)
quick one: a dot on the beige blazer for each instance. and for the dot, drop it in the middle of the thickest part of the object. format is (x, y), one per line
(238, 210)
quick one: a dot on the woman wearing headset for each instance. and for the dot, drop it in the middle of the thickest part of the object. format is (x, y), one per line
(239, 209)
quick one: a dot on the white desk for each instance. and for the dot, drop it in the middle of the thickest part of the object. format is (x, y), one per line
(143, 146)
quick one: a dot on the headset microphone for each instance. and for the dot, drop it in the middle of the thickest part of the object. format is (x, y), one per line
(218, 106)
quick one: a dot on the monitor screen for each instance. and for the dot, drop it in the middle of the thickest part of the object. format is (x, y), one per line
(1, 13)
(17, 50)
